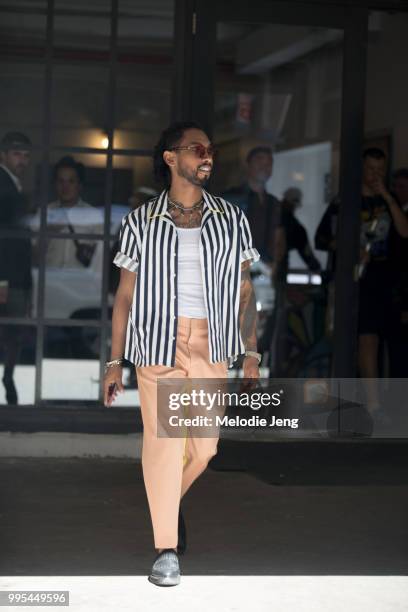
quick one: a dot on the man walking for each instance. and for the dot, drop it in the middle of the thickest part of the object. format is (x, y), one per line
(185, 308)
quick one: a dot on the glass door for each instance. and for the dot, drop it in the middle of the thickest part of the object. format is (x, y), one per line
(277, 106)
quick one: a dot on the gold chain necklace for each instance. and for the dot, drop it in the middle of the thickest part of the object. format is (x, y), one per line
(183, 210)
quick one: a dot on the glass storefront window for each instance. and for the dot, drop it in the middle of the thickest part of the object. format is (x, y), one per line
(383, 314)
(71, 364)
(79, 104)
(277, 125)
(143, 86)
(87, 97)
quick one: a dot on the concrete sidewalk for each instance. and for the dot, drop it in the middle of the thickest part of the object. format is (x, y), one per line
(225, 593)
(89, 517)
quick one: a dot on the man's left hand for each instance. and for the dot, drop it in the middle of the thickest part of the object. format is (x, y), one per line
(251, 367)
(251, 370)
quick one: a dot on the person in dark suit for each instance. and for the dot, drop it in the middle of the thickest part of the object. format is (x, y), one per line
(15, 251)
(263, 210)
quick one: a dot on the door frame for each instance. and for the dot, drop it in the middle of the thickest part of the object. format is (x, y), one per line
(194, 94)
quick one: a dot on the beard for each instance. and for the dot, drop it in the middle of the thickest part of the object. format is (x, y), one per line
(192, 177)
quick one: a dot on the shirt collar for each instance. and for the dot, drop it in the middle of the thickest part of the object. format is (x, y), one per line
(13, 177)
(160, 205)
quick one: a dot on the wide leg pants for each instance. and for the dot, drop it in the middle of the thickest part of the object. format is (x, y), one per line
(171, 464)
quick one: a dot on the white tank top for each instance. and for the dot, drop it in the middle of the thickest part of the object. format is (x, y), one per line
(189, 278)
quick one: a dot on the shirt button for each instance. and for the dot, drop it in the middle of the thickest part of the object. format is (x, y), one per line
(174, 274)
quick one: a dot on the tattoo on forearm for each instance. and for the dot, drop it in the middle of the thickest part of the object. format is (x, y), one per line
(247, 310)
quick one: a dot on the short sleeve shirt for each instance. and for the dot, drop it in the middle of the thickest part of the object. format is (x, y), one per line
(148, 245)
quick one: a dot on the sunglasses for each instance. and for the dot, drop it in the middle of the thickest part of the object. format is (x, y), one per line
(198, 149)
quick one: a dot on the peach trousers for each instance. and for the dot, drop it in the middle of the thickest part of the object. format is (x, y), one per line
(171, 464)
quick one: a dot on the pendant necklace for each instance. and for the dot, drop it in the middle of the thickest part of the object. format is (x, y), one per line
(183, 210)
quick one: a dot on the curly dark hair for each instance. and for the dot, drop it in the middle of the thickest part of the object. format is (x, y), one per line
(170, 137)
(374, 153)
(256, 150)
(69, 162)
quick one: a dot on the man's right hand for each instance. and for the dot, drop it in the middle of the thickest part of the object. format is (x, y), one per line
(112, 380)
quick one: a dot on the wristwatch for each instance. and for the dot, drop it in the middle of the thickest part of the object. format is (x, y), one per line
(254, 354)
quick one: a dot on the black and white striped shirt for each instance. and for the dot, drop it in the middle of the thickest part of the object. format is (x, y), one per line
(148, 245)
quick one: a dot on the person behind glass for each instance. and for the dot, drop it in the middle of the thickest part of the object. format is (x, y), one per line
(185, 308)
(296, 235)
(380, 214)
(264, 214)
(398, 337)
(15, 252)
(263, 210)
(70, 214)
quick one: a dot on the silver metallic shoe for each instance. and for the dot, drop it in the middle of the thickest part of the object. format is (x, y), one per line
(165, 570)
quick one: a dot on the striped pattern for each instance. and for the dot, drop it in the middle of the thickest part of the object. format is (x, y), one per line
(148, 246)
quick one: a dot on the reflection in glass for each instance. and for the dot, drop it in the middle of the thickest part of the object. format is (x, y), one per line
(15, 251)
(22, 70)
(70, 214)
(17, 364)
(78, 179)
(383, 286)
(25, 4)
(78, 102)
(142, 103)
(17, 79)
(133, 181)
(71, 363)
(83, 33)
(355, 413)
(73, 278)
(143, 87)
(76, 5)
(77, 195)
(277, 120)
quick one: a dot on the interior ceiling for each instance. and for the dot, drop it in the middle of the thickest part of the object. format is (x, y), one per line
(145, 27)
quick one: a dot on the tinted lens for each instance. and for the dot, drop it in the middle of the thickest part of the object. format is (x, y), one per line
(201, 151)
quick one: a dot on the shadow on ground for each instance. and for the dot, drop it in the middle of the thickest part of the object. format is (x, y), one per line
(319, 510)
